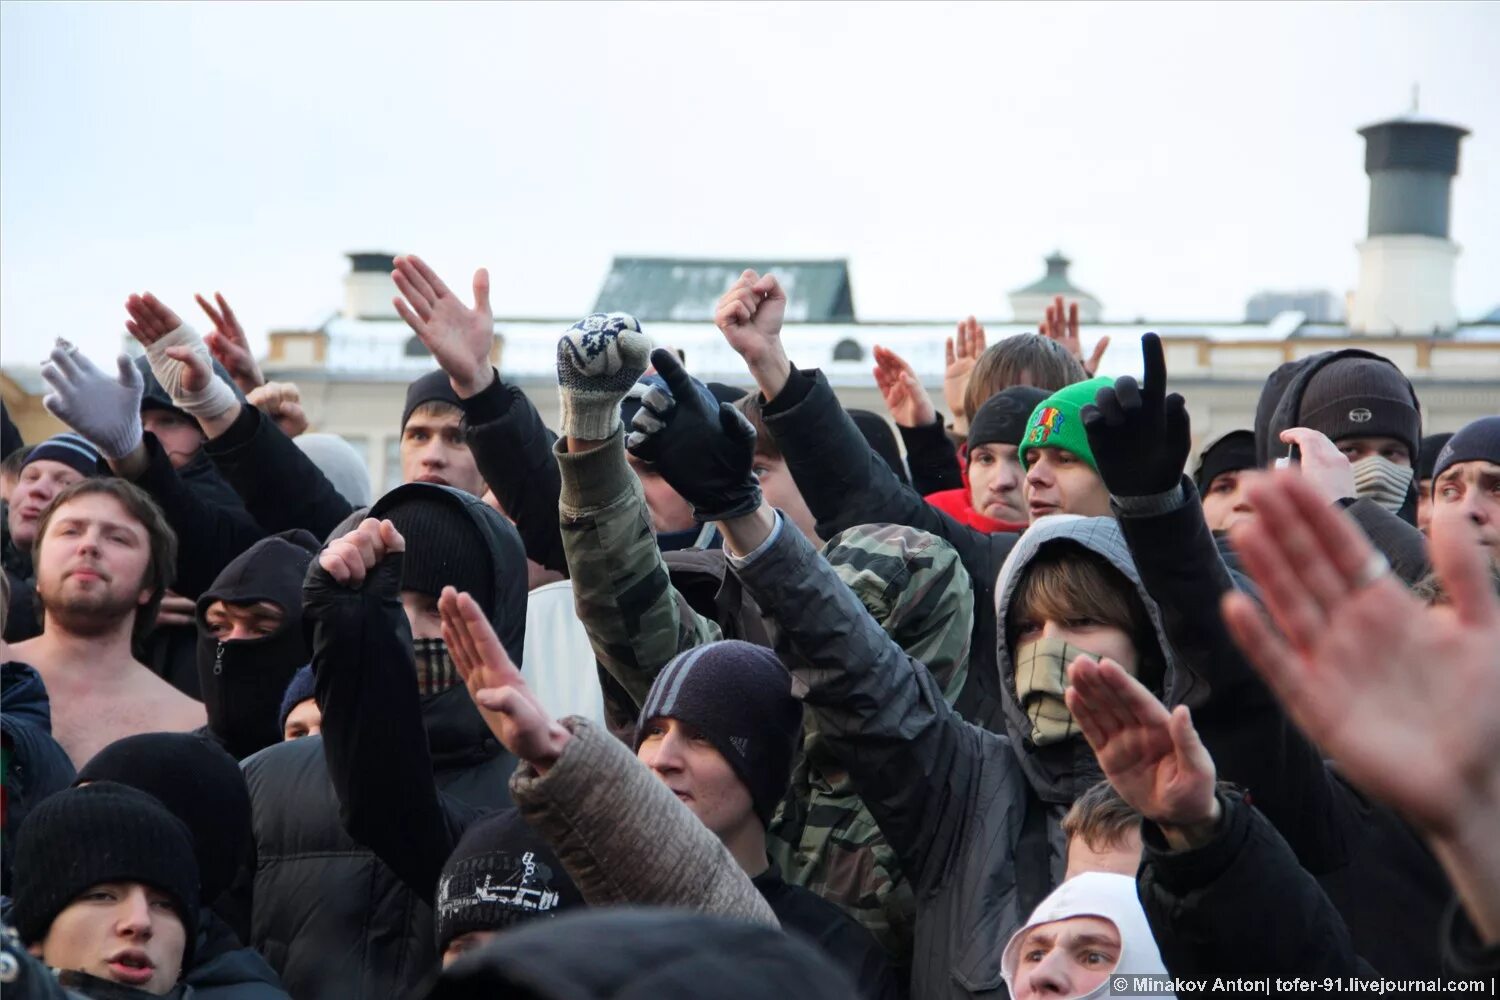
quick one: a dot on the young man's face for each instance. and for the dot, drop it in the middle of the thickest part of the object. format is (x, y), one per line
(1120, 858)
(91, 564)
(38, 483)
(179, 435)
(465, 943)
(232, 622)
(699, 775)
(1059, 482)
(670, 513)
(433, 451)
(1224, 502)
(305, 719)
(781, 492)
(121, 931)
(1467, 499)
(995, 482)
(1066, 958)
(1356, 448)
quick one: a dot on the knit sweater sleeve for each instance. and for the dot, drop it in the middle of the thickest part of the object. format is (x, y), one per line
(625, 838)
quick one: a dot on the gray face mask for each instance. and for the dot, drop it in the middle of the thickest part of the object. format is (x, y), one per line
(1378, 478)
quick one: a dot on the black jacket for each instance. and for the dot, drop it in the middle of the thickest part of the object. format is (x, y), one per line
(242, 682)
(36, 766)
(1241, 906)
(328, 914)
(845, 483)
(932, 458)
(224, 969)
(837, 935)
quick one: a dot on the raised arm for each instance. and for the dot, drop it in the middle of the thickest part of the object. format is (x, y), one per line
(930, 454)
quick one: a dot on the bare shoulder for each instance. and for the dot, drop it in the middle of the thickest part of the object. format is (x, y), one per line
(182, 711)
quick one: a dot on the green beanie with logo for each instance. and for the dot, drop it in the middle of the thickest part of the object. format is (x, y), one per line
(1055, 423)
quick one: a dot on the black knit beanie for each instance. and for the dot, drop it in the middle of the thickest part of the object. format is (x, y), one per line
(302, 686)
(1233, 452)
(444, 546)
(1476, 442)
(1427, 454)
(501, 873)
(199, 783)
(432, 386)
(71, 450)
(1362, 397)
(739, 697)
(105, 832)
(1002, 418)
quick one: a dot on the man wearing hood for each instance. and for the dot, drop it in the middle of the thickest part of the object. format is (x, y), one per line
(398, 729)
(251, 640)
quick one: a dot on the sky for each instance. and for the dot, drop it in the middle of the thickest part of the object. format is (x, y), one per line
(1185, 156)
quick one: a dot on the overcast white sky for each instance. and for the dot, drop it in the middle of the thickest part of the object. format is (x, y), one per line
(1184, 156)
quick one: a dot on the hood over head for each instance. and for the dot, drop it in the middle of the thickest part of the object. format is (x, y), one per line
(1060, 772)
(1095, 894)
(270, 570)
(337, 460)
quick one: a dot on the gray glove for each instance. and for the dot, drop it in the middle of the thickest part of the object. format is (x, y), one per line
(598, 360)
(105, 412)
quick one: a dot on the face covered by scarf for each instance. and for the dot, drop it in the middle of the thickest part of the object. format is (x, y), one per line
(435, 670)
(1378, 478)
(1041, 679)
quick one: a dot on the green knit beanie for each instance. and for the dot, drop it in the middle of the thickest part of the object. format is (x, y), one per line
(1055, 422)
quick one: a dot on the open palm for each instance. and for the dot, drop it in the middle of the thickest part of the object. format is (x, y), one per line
(459, 337)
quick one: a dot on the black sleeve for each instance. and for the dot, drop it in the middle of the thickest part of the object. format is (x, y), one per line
(1240, 905)
(1241, 723)
(282, 488)
(208, 536)
(513, 451)
(373, 736)
(931, 458)
(1464, 955)
(1402, 544)
(845, 483)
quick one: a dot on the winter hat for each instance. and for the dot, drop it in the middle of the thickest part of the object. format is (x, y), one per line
(882, 440)
(501, 873)
(1231, 453)
(106, 832)
(1427, 453)
(199, 783)
(1055, 423)
(1002, 419)
(1095, 894)
(739, 697)
(1361, 397)
(72, 451)
(432, 386)
(337, 459)
(302, 687)
(1476, 442)
(446, 548)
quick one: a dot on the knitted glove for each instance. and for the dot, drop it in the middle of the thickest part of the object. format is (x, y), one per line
(598, 360)
(704, 449)
(105, 412)
(209, 402)
(1139, 435)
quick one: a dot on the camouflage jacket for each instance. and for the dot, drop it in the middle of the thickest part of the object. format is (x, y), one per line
(822, 836)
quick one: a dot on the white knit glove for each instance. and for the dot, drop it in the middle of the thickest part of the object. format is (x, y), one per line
(211, 401)
(598, 360)
(105, 412)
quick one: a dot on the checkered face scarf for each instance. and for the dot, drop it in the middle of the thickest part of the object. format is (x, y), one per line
(1041, 679)
(435, 670)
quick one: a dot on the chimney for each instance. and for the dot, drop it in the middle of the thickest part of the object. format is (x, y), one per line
(368, 288)
(1406, 260)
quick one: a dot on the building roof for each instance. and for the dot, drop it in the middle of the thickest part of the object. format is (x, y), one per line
(683, 289)
(1055, 281)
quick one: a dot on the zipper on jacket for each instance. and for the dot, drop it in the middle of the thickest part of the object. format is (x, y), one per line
(219, 660)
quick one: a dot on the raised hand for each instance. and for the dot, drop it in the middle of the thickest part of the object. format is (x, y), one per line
(905, 396)
(599, 359)
(750, 315)
(105, 411)
(1151, 756)
(1061, 325)
(963, 353)
(176, 610)
(514, 715)
(179, 359)
(1140, 436)
(460, 338)
(282, 402)
(350, 558)
(1322, 465)
(704, 449)
(228, 344)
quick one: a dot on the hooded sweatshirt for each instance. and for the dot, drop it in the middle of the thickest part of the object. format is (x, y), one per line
(392, 767)
(35, 765)
(1095, 894)
(243, 681)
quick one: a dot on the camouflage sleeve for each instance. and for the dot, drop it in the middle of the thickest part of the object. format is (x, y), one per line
(624, 597)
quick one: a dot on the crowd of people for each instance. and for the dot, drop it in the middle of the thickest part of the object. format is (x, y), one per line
(722, 691)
